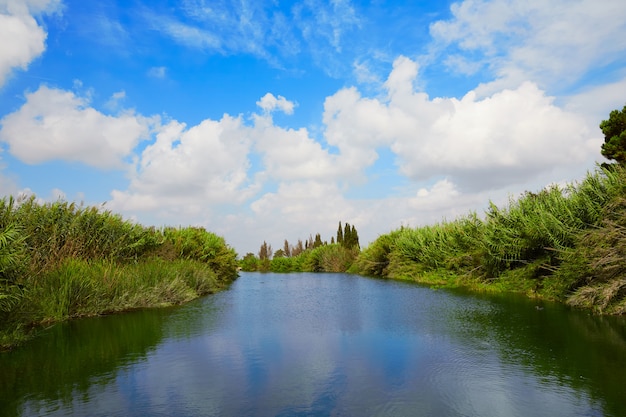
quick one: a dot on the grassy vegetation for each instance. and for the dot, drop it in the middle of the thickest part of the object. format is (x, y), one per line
(60, 260)
(563, 244)
(325, 258)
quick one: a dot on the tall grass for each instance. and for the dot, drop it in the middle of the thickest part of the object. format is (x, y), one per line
(60, 260)
(560, 243)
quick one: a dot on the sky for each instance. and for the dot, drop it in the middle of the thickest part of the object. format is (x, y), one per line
(266, 120)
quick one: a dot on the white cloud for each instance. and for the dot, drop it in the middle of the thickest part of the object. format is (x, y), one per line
(291, 154)
(57, 124)
(552, 43)
(480, 143)
(269, 103)
(189, 169)
(190, 35)
(21, 37)
(595, 104)
(296, 210)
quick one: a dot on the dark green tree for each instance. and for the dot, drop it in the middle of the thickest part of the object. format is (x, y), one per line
(614, 129)
(318, 241)
(354, 236)
(339, 234)
(346, 235)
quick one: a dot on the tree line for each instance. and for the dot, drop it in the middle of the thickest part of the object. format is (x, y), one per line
(338, 255)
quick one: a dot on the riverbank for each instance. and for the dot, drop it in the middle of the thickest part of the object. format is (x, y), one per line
(566, 244)
(60, 261)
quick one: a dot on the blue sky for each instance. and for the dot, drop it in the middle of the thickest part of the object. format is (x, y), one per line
(269, 120)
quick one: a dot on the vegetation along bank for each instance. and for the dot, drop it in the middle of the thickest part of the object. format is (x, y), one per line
(60, 261)
(562, 243)
(566, 244)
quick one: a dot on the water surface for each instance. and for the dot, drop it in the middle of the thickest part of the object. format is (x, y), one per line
(325, 344)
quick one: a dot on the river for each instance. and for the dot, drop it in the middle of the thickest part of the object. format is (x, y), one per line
(325, 345)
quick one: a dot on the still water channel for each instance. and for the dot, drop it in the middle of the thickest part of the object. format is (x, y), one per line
(325, 345)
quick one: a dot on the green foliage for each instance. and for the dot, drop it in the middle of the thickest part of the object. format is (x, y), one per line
(566, 244)
(593, 269)
(249, 263)
(197, 244)
(614, 130)
(59, 260)
(329, 258)
(284, 264)
(374, 260)
(543, 225)
(340, 234)
(350, 238)
(449, 245)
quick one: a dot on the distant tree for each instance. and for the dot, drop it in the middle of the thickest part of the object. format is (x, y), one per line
(249, 262)
(354, 236)
(346, 235)
(332, 240)
(265, 252)
(339, 234)
(287, 249)
(614, 129)
(279, 254)
(298, 249)
(318, 241)
(350, 237)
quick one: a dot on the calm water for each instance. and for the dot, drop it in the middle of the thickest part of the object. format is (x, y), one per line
(325, 345)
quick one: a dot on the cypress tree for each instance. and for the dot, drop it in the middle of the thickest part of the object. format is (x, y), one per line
(340, 235)
(355, 238)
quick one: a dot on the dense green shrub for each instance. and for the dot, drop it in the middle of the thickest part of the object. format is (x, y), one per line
(59, 260)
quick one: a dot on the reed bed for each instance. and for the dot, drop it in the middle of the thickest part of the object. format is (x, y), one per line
(61, 260)
(560, 243)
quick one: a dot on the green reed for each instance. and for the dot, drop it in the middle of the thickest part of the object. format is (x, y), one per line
(61, 260)
(560, 243)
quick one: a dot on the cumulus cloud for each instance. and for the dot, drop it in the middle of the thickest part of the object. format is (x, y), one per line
(57, 124)
(292, 154)
(22, 39)
(269, 103)
(190, 168)
(479, 143)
